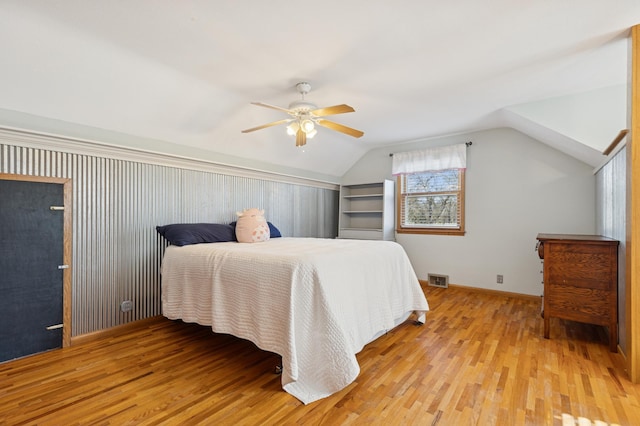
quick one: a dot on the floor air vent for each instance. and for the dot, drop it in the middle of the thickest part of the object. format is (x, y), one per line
(436, 280)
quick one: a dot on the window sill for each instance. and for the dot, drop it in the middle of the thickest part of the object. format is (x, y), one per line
(422, 231)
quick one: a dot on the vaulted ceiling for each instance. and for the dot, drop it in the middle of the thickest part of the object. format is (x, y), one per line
(179, 76)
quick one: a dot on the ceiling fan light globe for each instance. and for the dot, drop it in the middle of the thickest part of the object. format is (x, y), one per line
(292, 129)
(307, 125)
(311, 134)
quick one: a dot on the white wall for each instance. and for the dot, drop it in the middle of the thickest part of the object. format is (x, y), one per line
(592, 118)
(516, 187)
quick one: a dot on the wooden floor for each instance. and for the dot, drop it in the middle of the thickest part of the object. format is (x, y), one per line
(480, 359)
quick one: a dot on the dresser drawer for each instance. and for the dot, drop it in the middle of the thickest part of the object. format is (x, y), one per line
(580, 266)
(592, 306)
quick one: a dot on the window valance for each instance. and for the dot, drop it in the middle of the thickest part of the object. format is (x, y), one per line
(438, 158)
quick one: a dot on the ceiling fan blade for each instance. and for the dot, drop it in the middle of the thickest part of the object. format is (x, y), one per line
(301, 138)
(272, 107)
(332, 110)
(340, 128)
(274, 123)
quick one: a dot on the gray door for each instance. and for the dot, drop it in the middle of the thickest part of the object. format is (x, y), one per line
(31, 249)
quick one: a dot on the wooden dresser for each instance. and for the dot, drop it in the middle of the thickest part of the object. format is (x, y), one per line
(580, 280)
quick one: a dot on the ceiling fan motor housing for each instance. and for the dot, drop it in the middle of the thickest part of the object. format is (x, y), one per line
(302, 106)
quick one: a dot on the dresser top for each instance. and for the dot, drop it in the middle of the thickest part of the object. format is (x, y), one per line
(575, 237)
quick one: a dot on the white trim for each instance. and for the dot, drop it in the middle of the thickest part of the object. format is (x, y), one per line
(72, 145)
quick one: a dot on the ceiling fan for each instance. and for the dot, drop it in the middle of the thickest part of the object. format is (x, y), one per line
(305, 115)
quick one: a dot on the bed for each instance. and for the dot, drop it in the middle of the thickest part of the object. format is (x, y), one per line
(315, 302)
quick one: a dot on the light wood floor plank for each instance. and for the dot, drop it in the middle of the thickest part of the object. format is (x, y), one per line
(479, 359)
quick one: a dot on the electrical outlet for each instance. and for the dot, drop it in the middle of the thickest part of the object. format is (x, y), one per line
(126, 306)
(500, 279)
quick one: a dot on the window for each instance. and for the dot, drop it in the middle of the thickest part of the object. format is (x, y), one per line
(431, 202)
(430, 192)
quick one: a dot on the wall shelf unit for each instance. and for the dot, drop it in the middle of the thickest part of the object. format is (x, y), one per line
(367, 211)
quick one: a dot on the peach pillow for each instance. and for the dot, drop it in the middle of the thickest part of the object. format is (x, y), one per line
(251, 226)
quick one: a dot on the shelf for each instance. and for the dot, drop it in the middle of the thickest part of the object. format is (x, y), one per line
(362, 211)
(363, 196)
(361, 233)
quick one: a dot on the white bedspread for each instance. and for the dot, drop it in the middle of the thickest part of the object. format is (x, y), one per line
(316, 302)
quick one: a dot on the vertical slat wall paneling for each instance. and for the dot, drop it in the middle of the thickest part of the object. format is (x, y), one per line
(632, 299)
(117, 204)
(611, 222)
(619, 221)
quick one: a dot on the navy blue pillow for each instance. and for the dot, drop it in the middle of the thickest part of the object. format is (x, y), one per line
(273, 231)
(183, 234)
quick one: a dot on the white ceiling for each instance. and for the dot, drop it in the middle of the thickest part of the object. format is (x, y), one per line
(185, 72)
